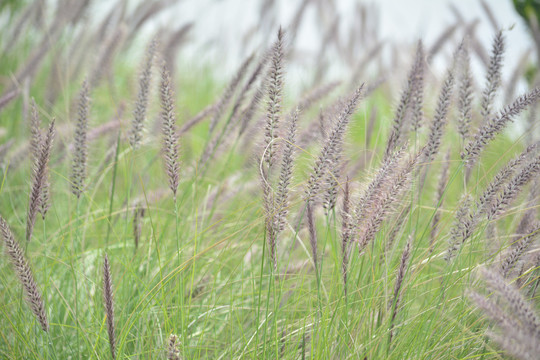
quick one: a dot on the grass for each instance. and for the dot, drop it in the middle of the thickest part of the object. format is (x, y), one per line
(240, 309)
(202, 269)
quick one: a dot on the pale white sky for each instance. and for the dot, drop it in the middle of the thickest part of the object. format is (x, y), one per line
(221, 26)
(403, 19)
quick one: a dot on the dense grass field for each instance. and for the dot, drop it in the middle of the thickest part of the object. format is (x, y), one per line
(386, 218)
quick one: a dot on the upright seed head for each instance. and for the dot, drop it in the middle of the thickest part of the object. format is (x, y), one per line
(170, 147)
(39, 180)
(417, 84)
(274, 91)
(80, 154)
(493, 75)
(141, 104)
(109, 304)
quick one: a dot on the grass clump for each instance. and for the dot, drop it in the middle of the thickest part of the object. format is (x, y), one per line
(255, 223)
